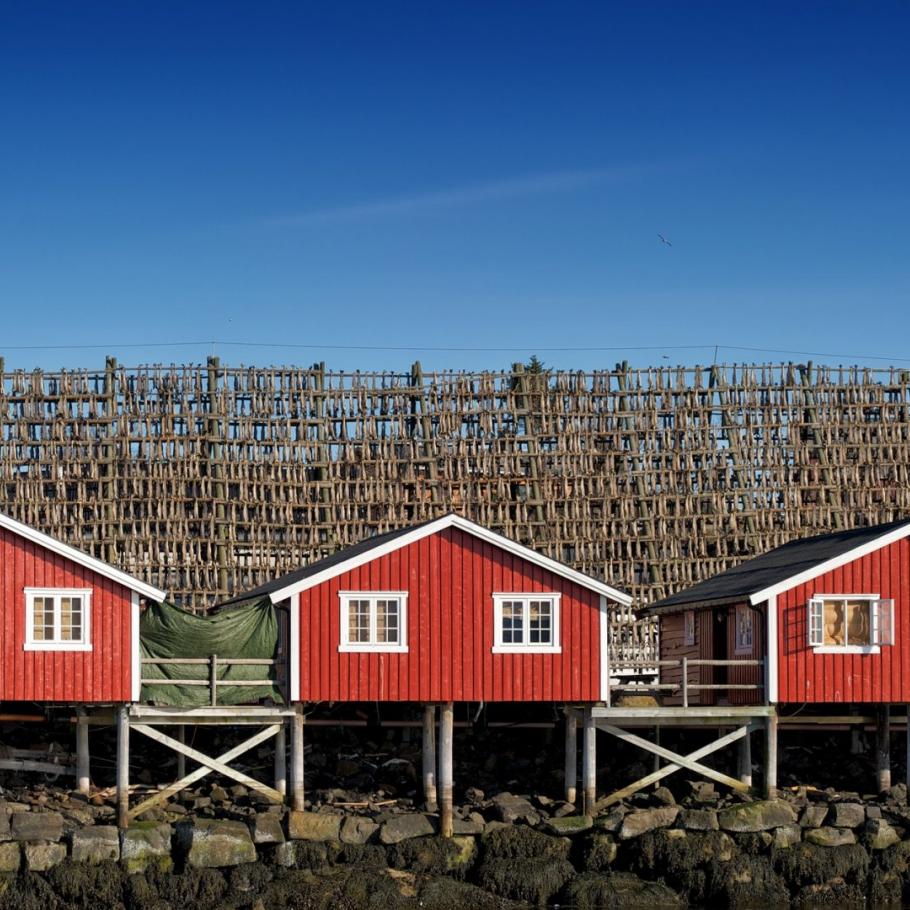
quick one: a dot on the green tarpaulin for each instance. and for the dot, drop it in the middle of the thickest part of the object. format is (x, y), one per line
(245, 631)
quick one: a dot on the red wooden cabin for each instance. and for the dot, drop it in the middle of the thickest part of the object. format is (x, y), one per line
(446, 611)
(829, 616)
(69, 623)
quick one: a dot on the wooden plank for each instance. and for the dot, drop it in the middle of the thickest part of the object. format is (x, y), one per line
(27, 764)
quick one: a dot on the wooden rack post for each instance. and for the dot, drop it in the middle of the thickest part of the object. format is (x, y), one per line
(429, 757)
(83, 768)
(589, 763)
(446, 718)
(883, 747)
(297, 794)
(571, 772)
(123, 766)
(281, 775)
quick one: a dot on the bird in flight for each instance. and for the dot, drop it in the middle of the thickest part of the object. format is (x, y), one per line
(664, 240)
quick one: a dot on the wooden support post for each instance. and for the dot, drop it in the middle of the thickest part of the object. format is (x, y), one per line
(771, 756)
(571, 756)
(181, 758)
(745, 759)
(883, 747)
(83, 769)
(123, 766)
(297, 760)
(281, 762)
(429, 757)
(589, 763)
(446, 725)
(213, 680)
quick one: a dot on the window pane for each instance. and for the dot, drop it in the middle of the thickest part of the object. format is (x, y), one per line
(835, 632)
(540, 622)
(71, 619)
(859, 622)
(387, 622)
(512, 622)
(359, 621)
(43, 619)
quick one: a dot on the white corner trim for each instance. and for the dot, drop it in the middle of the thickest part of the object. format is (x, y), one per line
(83, 559)
(772, 680)
(135, 652)
(469, 527)
(372, 647)
(555, 646)
(831, 564)
(31, 644)
(294, 647)
(847, 649)
(604, 652)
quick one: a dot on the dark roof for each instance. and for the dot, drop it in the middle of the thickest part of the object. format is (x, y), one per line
(339, 556)
(772, 567)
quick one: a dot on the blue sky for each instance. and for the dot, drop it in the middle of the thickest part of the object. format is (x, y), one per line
(464, 175)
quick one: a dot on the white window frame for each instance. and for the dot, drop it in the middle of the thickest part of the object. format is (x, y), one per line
(346, 645)
(848, 648)
(55, 645)
(500, 647)
(738, 647)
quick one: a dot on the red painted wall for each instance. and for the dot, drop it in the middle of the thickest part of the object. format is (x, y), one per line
(450, 578)
(99, 675)
(885, 678)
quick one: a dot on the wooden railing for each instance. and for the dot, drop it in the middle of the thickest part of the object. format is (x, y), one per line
(684, 687)
(213, 663)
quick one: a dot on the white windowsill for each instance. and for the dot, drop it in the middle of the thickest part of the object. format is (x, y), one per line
(526, 649)
(847, 649)
(373, 649)
(55, 646)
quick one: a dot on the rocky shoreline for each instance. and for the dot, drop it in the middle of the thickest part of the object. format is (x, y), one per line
(225, 848)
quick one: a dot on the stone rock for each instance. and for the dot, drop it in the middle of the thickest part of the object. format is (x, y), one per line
(355, 830)
(873, 812)
(898, 793)
(285, 855)
(95, 845)
(612, 821)
(4, 825)
(219, 794)
(700, 820)
(879, 835)
(786, 836)
(41, 857)
(830, 837)
(813, 816)
(563, 809)
(762, 815)
(146, 844)
(511, 809)
(568, 825)
(601, 853)
(473, 824)
(663, 796)
(847, 815)
(10, 857)
(474, 795)
(637, 823)
(265, 827)
(703, 791)
(314, 826)
(37, 826)
(404, 827)
(215, 844)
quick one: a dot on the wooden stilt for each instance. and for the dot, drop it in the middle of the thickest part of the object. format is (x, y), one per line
(446, 725)
(281, 761)
(429, 757)
(123, 766)
(181, 758)
(771, 756)
(589, 763)
(297, 794)
(656, 756)
(883, 747)
(745, 759)
(571, 756)
(83, 769)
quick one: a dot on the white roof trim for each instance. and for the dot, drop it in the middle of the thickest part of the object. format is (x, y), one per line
(83, 559)
(829, 565)
(469, 527)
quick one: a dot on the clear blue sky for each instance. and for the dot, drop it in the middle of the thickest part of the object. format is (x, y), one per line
(467, 175)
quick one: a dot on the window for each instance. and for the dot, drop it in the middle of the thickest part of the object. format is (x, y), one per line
(58, 619)
(689, 628)
(744, 630)
(857, 623)
(373, 621)
(526, 622)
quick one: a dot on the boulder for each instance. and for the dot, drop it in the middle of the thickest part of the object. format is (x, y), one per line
(36, 826)
(316, 826)
(830, 837)
(473, 824)
(95, 845)
(265, 827)
(355, 830)
(700, 820)
(663, 796)
(404, 827)
(146, 844)
(215, 844)
(762, 815)
(591, 891)
(10, 857)
(786, 836)
(847, 815)
(568, 825)
(511, 809)
(813, 816)
(601, 853)
(41, 857)
(637, 823)
(879, 835)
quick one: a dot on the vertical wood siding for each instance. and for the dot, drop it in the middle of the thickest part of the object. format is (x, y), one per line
(804, 676)
(99, 675)
(673, 647)
(450, 578)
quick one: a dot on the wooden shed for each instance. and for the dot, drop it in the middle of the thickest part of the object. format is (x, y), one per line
(828, 616)
(69, 623)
